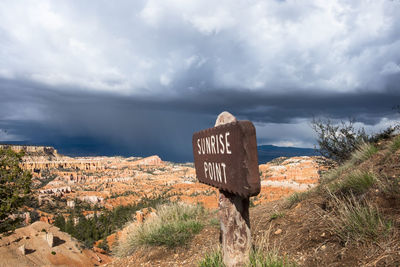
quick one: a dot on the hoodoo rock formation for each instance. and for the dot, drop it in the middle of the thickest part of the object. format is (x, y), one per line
(91, 184)
(284, 176)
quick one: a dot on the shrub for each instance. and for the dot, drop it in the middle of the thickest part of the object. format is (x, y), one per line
(385, 134)
(338, 141)
(174, 225)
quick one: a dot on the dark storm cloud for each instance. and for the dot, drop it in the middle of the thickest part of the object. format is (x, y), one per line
(108, 124)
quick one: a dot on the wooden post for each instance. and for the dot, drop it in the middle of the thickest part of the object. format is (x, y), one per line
(234, 218)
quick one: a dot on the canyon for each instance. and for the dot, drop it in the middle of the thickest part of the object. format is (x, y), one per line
(112, 181)
(97, 184)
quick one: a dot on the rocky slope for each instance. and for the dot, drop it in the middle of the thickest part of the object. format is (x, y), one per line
(41, 244)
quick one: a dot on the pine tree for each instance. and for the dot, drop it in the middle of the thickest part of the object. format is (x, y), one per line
(14, 188)
(59, 221)
(69, 226)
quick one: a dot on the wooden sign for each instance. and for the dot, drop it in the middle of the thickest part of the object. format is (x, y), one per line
(226, 157)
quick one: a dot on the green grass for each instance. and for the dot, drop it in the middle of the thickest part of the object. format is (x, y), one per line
(257, 259)
(364, 152)
(171, 234)
(212, 259)
(335, 173)
(270, 259)
(356, 182)
(276, 215)
(214, 222)
(354, 220)
(395, 145)
(174, 225)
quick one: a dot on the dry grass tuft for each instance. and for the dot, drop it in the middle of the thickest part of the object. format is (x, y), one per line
(395, 144)
(363, 153)
(263, 255)
(298, 197)
(356, 182)
(357, 221)
(174, 225)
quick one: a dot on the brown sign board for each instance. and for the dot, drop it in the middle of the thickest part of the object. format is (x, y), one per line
(226, 157)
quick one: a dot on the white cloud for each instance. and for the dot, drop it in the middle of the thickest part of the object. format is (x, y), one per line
(390, 68)
(165, 79)
(297, 134)
(259, 45)
(300, 133)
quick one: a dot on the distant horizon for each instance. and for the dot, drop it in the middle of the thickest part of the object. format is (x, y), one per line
(28, 143)
(83, 153)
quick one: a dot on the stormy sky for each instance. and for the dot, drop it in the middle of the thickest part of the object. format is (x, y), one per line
(139, 77)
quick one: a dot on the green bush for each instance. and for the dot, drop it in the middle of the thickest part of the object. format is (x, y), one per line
(338, 141)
